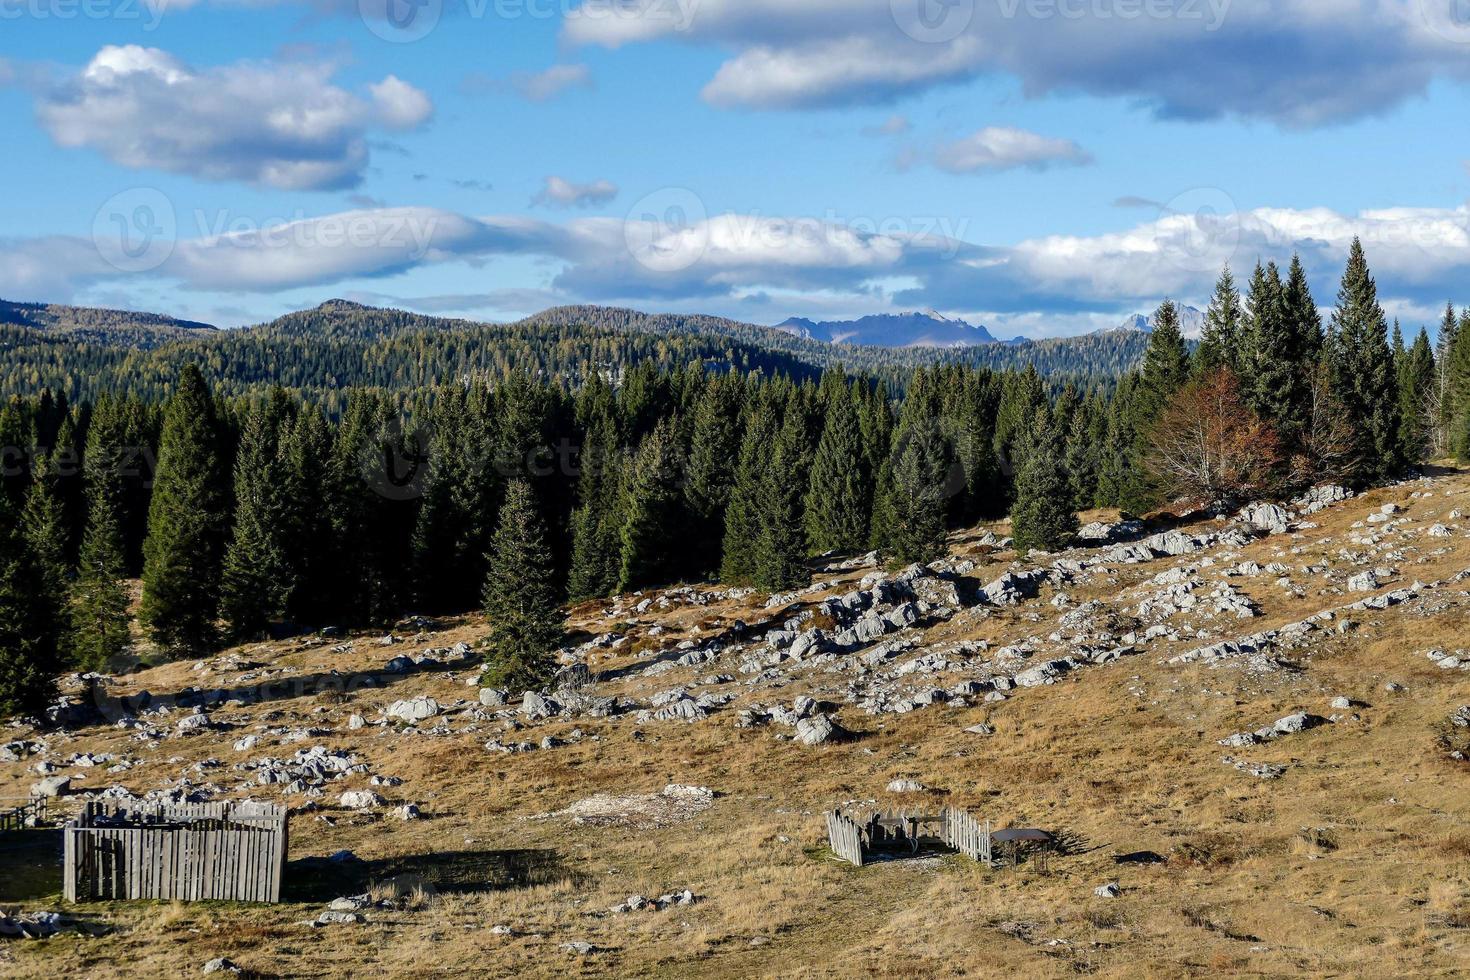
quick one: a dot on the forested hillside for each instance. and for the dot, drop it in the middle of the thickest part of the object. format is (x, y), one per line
(338, 345)
(122, 328)
(329, 472)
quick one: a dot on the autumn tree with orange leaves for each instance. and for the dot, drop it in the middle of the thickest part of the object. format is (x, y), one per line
(1209, 445)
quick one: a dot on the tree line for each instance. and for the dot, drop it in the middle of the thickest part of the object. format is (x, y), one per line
(244, 514)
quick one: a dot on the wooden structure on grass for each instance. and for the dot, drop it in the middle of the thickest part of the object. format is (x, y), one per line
(185, 851)
(856, 840)
(25, 816)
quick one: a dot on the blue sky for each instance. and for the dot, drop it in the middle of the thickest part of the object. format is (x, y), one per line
(1041, 166)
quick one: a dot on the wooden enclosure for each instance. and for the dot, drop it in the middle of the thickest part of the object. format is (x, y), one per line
(189, 851)
(856, 840)
(26, 815)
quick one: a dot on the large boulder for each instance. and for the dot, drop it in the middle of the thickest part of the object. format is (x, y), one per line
(414, 710)
(52, 786)
(819, 729)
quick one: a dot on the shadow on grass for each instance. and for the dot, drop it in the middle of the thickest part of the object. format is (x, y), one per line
(30, 864)
(321, 880)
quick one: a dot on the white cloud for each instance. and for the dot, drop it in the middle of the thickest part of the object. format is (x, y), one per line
(1299, 64)
(998, 148)
(543, 86)
(1420, 256)
(283, 125)
(561, 193)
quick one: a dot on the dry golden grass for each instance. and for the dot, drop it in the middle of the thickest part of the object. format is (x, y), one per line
(1355, 863)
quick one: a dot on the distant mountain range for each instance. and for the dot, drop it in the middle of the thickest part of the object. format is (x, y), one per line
(1191, 320)
(925, 329)
(931, 329)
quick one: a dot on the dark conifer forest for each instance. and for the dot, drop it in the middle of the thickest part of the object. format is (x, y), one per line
(346, 466)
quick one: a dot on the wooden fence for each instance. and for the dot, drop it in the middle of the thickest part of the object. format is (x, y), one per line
(24, 816)
(853, 840)
(191, 852)
(845, 836)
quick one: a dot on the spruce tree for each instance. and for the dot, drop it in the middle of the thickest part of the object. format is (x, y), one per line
(1165, 370)
(258, 577)
(44, 525)
(597, 521)
(1303, 322)
(29, 623)
(186, 523)
(1220, 340)
(838, 498)
(99, 597)
(652, 525)
(742, 516)
(1444, 351)
(1364, 376)
(713, 451)
(1042, 516)
(520, 596)
(1416, 399)
(780, 545)
(1272, 380)
(311, 544)
(1459, 390)
(917, 499)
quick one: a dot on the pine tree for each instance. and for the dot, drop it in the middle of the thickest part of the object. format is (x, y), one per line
(1220, 340)
(780, 545)
(837, 500)
(1165, 371)
(1416, 399)
(1303, 322)
(451, 533)
(597, 521)
(1364, 377)
(257, 580)
(29, 623)
(44, 526)
(186, 523)
(1444, 353)
(917, 499)
(713, 452)
(1042, 516)
(1083, 452)
(652, 527)
(742, 516)
(1459, 390)
(310, 544)
(520, 596)
(99, 597)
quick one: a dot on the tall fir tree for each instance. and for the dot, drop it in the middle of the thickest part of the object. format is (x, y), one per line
(1220, 339)
(99, 596)
(652, 525)
(780, 544)
(1303, 321)
(1271, 378)
(742, 516)
(1042, 516)
(713, 453)
(838, 498)
(1416, 400)
(597, 521)
(1165, 370)
(258, 578)
(1444, 351)
(187, 522)
(1364, 376)
(917, 497)
(30, 623)
(44, 524)
(520, 596)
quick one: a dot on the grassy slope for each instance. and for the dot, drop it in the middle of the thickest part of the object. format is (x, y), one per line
(1122, 757)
